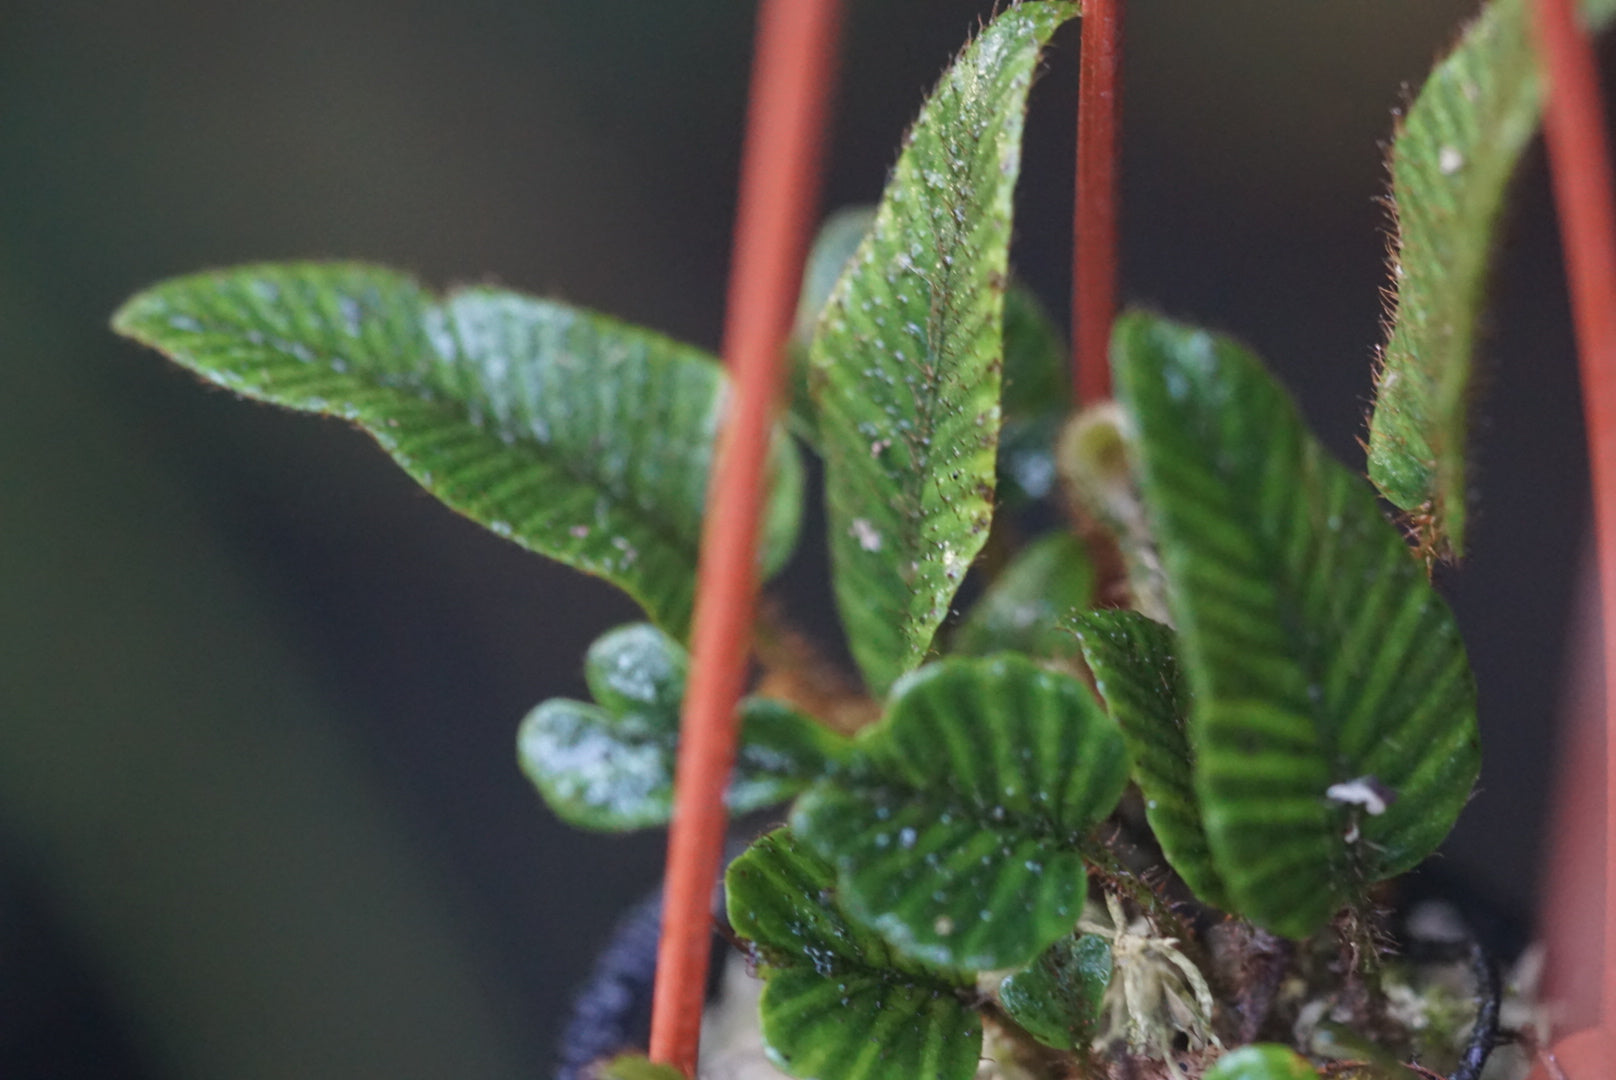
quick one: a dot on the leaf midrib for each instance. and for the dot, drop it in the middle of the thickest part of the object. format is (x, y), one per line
(412, 382)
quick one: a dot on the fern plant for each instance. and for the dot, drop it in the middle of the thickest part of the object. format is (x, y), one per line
(1132, 810)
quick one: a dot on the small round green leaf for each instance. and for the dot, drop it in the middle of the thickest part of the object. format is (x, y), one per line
(1262, 1061)
(958, 823)
(1057, 997)
(840, 1004)
(1028, 607)
(610, 765)
(576, 436)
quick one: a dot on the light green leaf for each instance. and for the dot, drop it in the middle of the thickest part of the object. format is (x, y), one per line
(576, 436)
(1262, 1061)
(839, 237)
(1316, 651)
(1451, 162)
(840, 1004)
(905, 368)
(958, 824)
(610, 765)
(1137, 673)
(1029, 606)
(635, 1067)
(1057, 997)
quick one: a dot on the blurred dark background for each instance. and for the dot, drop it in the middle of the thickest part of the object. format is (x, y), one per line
(259, 809)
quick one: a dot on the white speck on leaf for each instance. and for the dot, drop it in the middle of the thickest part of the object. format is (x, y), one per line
(866, 535)
(1365, 791)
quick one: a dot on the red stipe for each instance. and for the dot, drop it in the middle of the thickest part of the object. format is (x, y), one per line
(1579, 159)
(786, 118)
(1094, 222)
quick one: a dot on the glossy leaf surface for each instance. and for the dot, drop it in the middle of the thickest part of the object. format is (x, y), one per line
(1137, 673)
(610, 765)
(1451, 163)
(576, 436)
(957, 826)
(1261, 1061)
(905, 367)
(1029, 607)
(1315, 649)
(840, 1004)
(1057, 997)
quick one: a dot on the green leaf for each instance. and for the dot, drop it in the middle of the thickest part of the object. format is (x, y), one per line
(1261, 1061)
(576, 436)
(840, 1004)
(1036, 398)
(610, 765)
(635, 1067)
(1136, 671)
(1316, 651)
(905, 368)
(1057, 997)
(1028, 607)
(839, 237)
(958, 824)
(1451, 162)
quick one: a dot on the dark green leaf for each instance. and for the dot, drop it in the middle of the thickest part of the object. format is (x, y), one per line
(1029, 606)
(1057, 997)
(610, 765)
(840, 1004)
(1451, 162)
(1316, 651)
(635, 1067)
(1262, 1061)
(1137, 674)
(958, 824)
(1036, 398)
(576, 436)
(905, 368)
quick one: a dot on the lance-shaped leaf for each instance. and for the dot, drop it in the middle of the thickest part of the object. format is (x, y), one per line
(840, 1004)
(957, 827)
(905, 368)
(1451, 162)
(1333, 718)
(1029, 607)
(1057, 997)
(610, 765)
(1138, 675)
(574, 435)
(1262, 1061)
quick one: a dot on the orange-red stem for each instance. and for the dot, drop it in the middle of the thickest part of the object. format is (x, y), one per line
(1579, 158)
(1094, 222)
(786, 119)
